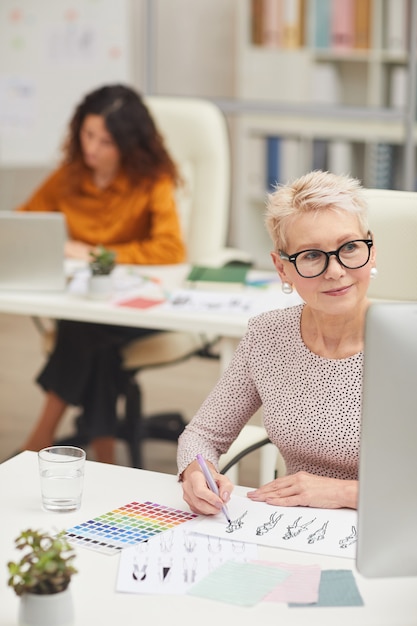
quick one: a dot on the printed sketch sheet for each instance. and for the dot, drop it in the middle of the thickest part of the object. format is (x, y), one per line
(173, 561)
(319, 531)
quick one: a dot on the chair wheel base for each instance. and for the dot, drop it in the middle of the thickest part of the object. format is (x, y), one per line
(166, 426)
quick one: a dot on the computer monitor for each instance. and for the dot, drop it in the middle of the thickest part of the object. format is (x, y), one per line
(387, 509)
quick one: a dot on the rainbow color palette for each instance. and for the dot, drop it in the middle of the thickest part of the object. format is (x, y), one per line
(128, 525)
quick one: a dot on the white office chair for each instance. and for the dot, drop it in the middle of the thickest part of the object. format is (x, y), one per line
(393, 221)
(196, 136)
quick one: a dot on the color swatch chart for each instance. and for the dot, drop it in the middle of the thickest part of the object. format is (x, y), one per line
(128, 525)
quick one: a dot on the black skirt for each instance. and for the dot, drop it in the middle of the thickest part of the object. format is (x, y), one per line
(85, 370)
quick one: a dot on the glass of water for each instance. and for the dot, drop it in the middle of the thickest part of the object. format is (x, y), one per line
(61, 471)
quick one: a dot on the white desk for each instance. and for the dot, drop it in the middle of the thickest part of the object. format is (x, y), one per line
(64, 305)
(230, 326)
(390, 602)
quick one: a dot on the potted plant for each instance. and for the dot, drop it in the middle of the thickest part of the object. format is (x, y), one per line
(102, 263)
(41, 579)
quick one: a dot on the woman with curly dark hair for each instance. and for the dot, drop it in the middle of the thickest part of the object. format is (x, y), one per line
(116, 187)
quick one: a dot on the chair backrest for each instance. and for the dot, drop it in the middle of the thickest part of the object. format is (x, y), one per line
(393, 221)
(196, 135)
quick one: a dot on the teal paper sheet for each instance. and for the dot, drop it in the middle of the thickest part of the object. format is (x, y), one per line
(337, 588)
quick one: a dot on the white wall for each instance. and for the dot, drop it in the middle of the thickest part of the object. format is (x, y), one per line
(195, 47)
(51, 54)
(193, 56)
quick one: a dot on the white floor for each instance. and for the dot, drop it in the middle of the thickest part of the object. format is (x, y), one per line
(182, 387)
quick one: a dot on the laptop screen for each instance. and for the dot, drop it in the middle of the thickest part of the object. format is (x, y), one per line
(32, 251)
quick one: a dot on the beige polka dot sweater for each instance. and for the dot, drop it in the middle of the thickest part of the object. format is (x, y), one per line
(311, 404)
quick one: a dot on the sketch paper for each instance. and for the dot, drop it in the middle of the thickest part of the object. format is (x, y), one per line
(174, 561)
(319, 531)
(222, 302)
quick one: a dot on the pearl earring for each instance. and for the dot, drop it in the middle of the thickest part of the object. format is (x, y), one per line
(286, 288)
(374, 272)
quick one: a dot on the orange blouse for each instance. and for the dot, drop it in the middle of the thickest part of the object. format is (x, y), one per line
(139, 223)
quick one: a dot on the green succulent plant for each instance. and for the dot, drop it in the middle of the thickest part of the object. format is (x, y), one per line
(102, 261)
(46, 567)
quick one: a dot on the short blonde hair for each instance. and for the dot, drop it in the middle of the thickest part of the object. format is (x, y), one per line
(313, 192)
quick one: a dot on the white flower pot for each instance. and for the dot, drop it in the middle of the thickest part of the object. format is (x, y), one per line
(100, 287)
(55, 609)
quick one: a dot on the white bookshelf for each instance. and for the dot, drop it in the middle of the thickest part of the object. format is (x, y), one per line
(269, 91)
(288, 75)
(357, 106)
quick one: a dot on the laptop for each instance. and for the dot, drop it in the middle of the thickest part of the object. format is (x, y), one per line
(32, 251)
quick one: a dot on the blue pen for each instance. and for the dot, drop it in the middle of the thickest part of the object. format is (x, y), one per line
(211, 483)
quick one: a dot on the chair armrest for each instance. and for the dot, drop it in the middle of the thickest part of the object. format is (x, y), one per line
(163, 349)
(250, 439)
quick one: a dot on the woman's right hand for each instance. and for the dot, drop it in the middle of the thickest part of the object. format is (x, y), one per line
(198, 496)
(78, 250)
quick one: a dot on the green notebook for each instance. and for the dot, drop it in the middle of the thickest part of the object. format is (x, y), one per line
(231, 274)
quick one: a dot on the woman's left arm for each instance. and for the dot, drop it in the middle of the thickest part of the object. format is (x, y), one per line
(304, 489)
(158, 240)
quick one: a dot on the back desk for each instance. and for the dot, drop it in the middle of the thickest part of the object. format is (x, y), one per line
(229, 325)
(390, 602)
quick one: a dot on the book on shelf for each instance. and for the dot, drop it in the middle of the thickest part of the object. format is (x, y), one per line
(229, 276)
(342, 32)
(381, 174)
(319, 24)
(293, 23)
(291, 159)
(327, 24)
(273, 164)
(284, 160)
(340, 24)
(340, 156)
(319, 156)
(396, 20)
(278, 23)
(272, 23)
(256, 22)
(362, 24)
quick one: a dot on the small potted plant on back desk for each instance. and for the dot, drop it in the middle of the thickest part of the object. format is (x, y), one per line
(101, 265)
(41, 579)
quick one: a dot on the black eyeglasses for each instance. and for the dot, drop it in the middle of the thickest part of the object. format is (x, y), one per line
(311, 263)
